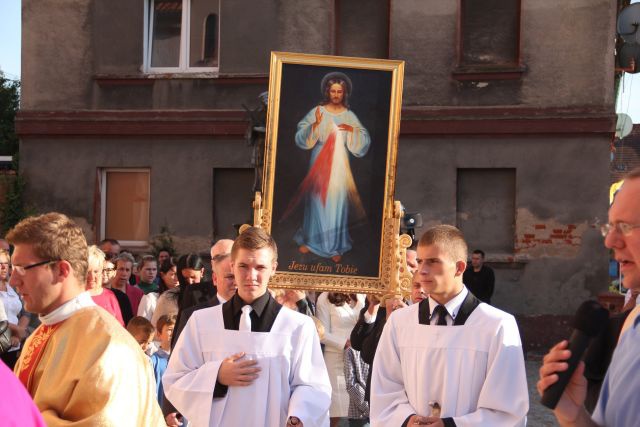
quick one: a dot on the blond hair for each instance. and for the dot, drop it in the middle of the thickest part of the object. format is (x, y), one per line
(96, 256)
(277, 294)
(53, 236)
(254, 238)
(448, 238)
(319, 327)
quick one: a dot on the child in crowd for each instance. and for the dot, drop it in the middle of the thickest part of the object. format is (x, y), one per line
(160, 358)
(148, 272)
(148, 285)
(142, 331)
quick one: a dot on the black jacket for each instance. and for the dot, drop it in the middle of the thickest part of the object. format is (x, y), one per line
(365, 338)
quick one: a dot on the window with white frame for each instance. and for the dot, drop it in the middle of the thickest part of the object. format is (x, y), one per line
(181, 35)
(124, 205)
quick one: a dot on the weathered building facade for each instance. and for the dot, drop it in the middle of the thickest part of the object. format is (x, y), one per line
(132, 118)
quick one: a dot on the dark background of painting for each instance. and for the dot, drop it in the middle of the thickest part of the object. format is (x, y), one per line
(370, 100)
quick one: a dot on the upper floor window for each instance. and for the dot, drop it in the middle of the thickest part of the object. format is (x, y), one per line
(352, 37)
(182, 36)
(489, 37)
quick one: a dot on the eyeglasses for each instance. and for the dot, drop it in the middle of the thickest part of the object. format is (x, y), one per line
(108, 270)
(22, 269)
(620, 227)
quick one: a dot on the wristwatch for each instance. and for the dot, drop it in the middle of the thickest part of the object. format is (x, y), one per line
(293, 421)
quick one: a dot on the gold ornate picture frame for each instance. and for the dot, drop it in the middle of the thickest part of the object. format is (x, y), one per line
(329, 173)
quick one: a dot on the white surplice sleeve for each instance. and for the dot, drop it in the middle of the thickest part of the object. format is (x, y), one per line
(189, 380)
(310, 387)
(504, 398)
(389, 402)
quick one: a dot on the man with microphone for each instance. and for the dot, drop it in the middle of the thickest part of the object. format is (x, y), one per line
(620, 393)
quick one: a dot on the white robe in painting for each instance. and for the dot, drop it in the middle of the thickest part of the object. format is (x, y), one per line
(293, 379)
(474, 371)
(329, 186)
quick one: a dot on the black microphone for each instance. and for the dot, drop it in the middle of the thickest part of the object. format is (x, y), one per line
(589, 321)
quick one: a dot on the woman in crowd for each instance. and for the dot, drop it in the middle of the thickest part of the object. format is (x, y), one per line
(338, 313)
(108, 275)
(169, 292)
(17, 317)
(103, 297)
(190, 271)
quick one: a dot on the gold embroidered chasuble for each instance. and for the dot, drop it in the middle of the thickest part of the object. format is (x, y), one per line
(89, 372)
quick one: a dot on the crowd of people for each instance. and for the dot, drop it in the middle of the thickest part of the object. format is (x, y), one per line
(96, 336)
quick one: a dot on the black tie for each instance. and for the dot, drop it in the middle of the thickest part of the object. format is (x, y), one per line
(442, 315)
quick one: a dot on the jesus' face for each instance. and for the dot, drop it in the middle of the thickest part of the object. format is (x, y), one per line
(336, 94)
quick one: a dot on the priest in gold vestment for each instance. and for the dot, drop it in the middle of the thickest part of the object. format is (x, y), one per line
(80, 366)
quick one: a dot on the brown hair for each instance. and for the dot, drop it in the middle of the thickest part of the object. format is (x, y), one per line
(634, 173)
(148, 258)
(55, 237)
(165, 320)
(448, 238)
(140, 325)
(339, 299)
(254, 238)
(345, 91)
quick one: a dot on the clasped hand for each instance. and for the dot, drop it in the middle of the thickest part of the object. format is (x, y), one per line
(417, 420)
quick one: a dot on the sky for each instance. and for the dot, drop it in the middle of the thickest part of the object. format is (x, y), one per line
(10, 38)
(628, 100)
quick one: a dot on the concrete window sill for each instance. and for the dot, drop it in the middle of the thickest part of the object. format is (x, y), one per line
(150, 78)
(484, 73)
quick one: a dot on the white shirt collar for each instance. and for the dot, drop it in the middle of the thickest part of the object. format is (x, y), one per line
(67, 309)
(454, 304)
(163, 353)
(221, 300)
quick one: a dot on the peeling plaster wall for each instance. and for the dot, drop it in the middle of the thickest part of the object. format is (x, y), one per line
(561, 181)
(567, 65)
(558, 258)
(537, 238)
(56, 54)
(181, 181)
(567, 48)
